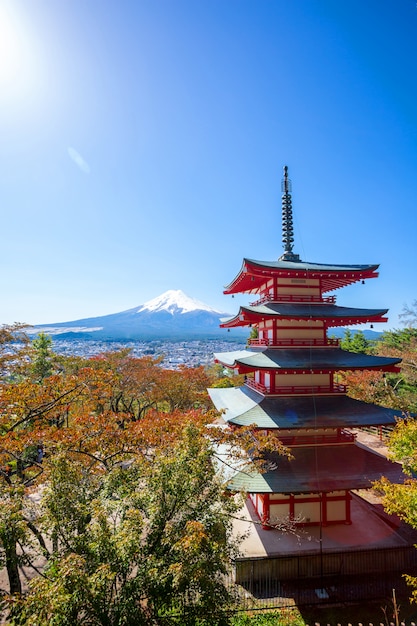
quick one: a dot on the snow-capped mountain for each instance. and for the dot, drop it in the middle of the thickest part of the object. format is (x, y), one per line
(172, 315)
(175, 301)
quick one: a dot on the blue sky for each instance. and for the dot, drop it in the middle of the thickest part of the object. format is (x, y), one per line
(142, 145)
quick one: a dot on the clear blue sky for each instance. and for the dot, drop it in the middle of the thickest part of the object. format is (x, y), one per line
(142, 145)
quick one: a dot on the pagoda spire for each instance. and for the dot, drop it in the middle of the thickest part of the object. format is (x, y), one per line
(287, 224)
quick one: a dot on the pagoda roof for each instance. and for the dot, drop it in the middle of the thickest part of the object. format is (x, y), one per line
(243, 406)
(253, 274)
(296, 359)
(331, 314)
(313, 470)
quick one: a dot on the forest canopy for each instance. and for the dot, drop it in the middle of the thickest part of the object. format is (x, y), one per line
(111, 493)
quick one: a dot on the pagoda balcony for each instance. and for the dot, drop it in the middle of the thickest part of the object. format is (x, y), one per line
(296, 390)
(291, 298)
(256, 386)
(328, 341)
(344, 436)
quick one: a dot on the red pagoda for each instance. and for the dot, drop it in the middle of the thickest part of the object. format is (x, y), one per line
(291, 386)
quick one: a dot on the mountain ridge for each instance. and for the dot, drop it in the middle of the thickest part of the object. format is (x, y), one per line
(172, 315)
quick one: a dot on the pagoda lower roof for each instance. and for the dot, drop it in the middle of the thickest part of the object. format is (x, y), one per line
(319, 469)
(303, 359)
(253, 274)
(330, 314)
(243, 406)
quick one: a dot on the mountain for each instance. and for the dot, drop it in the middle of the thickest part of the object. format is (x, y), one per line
(170, 316)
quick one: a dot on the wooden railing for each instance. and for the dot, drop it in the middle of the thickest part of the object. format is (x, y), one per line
(294, 299)
(257, 386)
(328, 341)
(292, 390)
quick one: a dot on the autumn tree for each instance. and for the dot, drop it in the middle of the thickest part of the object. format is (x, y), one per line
(14, 343)
(396, 390)
(401, 499)
(133, 508)
(148, 542)
(184, 388)
(30, 415)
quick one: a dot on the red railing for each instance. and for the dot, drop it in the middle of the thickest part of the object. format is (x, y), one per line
(292, 390)
(257, 386)
(293, 298)
(329, 341)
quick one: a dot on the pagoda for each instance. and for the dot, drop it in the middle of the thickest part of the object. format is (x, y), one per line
(291, 387)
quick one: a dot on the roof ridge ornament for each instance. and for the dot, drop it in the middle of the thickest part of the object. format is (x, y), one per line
(287, 223)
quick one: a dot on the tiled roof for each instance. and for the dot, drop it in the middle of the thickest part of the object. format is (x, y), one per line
(304, 358)
(243, 407)
(327, 312)
(311, 266)
(319, 469)
(253, 272)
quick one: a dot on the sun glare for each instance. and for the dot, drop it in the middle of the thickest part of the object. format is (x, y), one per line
(17, 58)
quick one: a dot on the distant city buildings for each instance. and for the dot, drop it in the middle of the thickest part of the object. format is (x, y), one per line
(175, 354)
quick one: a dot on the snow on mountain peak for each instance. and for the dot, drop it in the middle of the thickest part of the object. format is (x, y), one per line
(175, 301)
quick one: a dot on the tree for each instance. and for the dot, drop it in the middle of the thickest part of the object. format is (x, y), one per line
(41, 366)
(13, 349)
(223, 377)
(409, 315)
(355, 342)
(153, 547)
(127, 445)
(184, 389)
(396, 390)
(401, 499)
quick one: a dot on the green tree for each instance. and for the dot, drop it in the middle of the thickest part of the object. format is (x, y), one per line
(41, 365)
(355, 342)
(401, 499)
(153, 546)
(110, 466)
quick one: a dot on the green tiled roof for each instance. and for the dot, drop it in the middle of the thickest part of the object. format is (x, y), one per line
(319, 469)
(243, 407)
(304, 358)
(311, 266)
(308, 311)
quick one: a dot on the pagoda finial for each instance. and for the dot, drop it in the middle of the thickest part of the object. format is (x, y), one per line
(287, 225)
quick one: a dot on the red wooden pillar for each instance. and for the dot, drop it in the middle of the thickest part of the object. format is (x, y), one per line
(266, 511)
